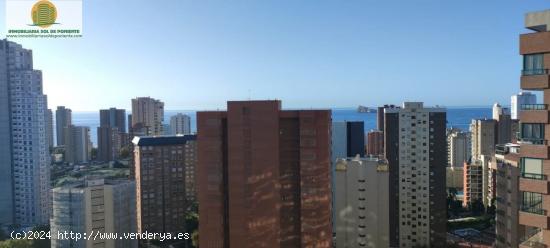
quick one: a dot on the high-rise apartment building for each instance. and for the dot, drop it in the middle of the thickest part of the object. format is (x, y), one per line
(63, 119)
(110, 133)
(147, 116)
(109, 143)
(113, 117)
(361, 203)
(483, 134)
(380, 116)
(507, 196)
(165, 181)
(78, 147)
(348, 139)
(416, 150)
(504, 124)
(180, 124)
(459, 147)
(264, 176)
(455, 178)
(522, 98)
(473, 182)
(94, 206)
(25, 197)
(534, 160)
(49, 128)
(375, 143)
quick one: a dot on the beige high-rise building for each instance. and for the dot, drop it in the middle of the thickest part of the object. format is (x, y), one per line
(455, 177)
(507, 196)
(459, 147)
(473, 182)
(147, 116)
(98, 206)
(483, 133)
(361, 203)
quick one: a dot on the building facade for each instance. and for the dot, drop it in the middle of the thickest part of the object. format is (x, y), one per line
(473, 182)
(49, 128)
(165, 181)
(78, 147)
(180, 124)
(264, 176)
(503, 125)
(110, 133)
(63, 119)
(416, 148)
(534, 162)
(361, 203)
(455, 178)
(505, 164)
(25, 197)
(147, 116)
(113, 117)
(459, 147)
(98, 206)
(522, 98)
(109, 143)
(375, 143)
(483, 133)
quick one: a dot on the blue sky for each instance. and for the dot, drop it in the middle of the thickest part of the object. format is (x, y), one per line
(199, 54)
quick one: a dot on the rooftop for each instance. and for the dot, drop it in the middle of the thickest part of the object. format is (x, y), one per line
(538, 21)
(163, 140)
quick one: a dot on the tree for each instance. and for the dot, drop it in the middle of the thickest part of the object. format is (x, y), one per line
(16, 243)
(195, 238)
(124, 152)
(477, 207)
(94, 153)
(3, 234)
(42, 243)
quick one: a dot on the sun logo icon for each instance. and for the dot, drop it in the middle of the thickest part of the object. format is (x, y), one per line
(43, 14)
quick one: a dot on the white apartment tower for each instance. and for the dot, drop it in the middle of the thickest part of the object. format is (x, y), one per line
(180, 124)
(96, 205)
(25, 197)
(458, 145)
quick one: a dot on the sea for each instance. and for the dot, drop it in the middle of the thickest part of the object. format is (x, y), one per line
(457, 117)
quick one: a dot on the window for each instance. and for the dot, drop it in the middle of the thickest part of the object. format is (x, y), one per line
(532, 132)
(533, 64)
(532, 203)
(531, 168)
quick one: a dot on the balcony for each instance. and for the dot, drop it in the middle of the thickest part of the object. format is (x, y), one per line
(534, 241)
(538, 42)
(530, 150)
(536, 79)
(534, 116)
(534, 106)
(535, 217)
(534, 183)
